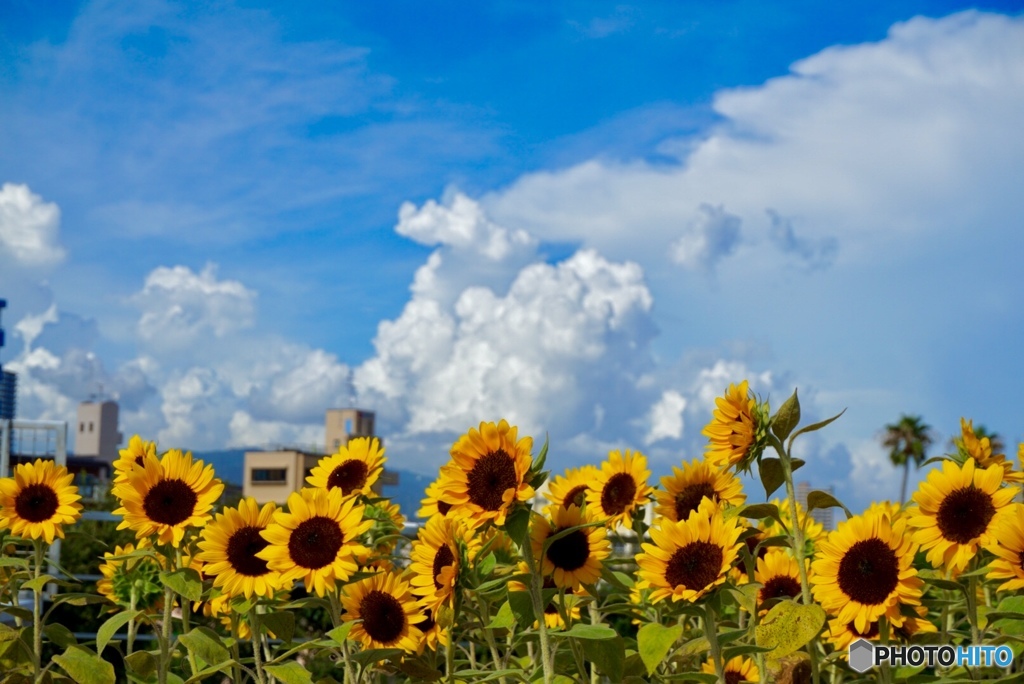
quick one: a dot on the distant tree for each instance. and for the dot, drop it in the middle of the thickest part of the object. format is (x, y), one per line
(908, 441)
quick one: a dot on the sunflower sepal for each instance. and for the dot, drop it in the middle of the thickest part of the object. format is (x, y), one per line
(813, 427)
(787, 417)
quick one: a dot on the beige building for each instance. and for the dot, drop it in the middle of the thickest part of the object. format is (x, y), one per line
(341, 425)
(96, 432)
(273, 475)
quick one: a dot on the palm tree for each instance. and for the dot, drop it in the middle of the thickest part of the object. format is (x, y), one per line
(907, 440)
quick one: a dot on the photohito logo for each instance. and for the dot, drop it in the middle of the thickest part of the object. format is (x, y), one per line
(864, 655)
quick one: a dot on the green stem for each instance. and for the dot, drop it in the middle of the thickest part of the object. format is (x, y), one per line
(536, 596)
(165, 637)
(186, 607)
(711, 632)
(336, 621)
(236, 666)
(257, 656)
(485, 618)
(449, 656)
(595, 619)
(132, 624)
(883, 636)
(798, 544)
(37, 611)
(972, 609)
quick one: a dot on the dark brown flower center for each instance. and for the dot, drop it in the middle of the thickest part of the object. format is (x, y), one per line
(443, 507)
(349, 476)
(576, 496)
(780, 586)
(383, 617)
(315, 542)
(442, 559)
(869, 571)
(243, 546)
(689, 499)
(492, 475)
(694, 566)
(1020, 559)
(140, 459)
(618, 493)
(733, 677)
(36, 503)
(870, 634)
(427, 624)
(170, 502)
(569, 552)
(964, 514)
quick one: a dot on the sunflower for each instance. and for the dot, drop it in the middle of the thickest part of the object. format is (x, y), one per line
(433, 634)
(779, 575)
(684, 489)
(133, 456)
(865, 570)
(574, 559)
(229, 546)
(690, 557)
(813, 530)
(167, 496)
(1007, 544)
(487, 474)
(736, 431)
(433, 504)
(981, 451)
(388, 612)
(382, 538)
(353, 470)
(572, 487)
(121, 575)
(315, 539)
(736, 670)
(552, 615)
(435, 561)
(893, 510)
(619, 487)
(38, 501)
(841, 634)
(957, 510)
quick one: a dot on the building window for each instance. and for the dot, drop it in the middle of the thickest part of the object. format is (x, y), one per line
(269, 475)
(348, 425)
(90, 427)
(337, 444)
(81, 427)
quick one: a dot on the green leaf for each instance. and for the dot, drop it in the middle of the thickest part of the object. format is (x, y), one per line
(654, 641)
(944, 583)
(7, 634)
(486, 566)
(788, 626)
(812, 427)
(339, 634)
(109, 628)
(13, 562)
(787, 417)
(281, 623)
(761, 511)
(79, 599)
(418, 670)
(205, 643)
(820, 499)
(504, 619)
(38, 583)
(84, 666)
(522, 607)
(376, 655)
(60, 635)
(795, 464)
(185, 582)
(542, 457)
(518, 525)
(290, 673)
(609, 656)
(141, 663)
(619, 579)
(730, 652)
(584, 631)
(771, 473)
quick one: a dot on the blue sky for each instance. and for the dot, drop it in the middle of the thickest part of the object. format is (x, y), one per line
(588, 217)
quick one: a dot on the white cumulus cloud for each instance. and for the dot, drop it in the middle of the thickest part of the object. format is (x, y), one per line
(666, 417)
(29, 227)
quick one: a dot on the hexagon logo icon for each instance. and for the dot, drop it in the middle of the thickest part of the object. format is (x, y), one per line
(862, 655)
